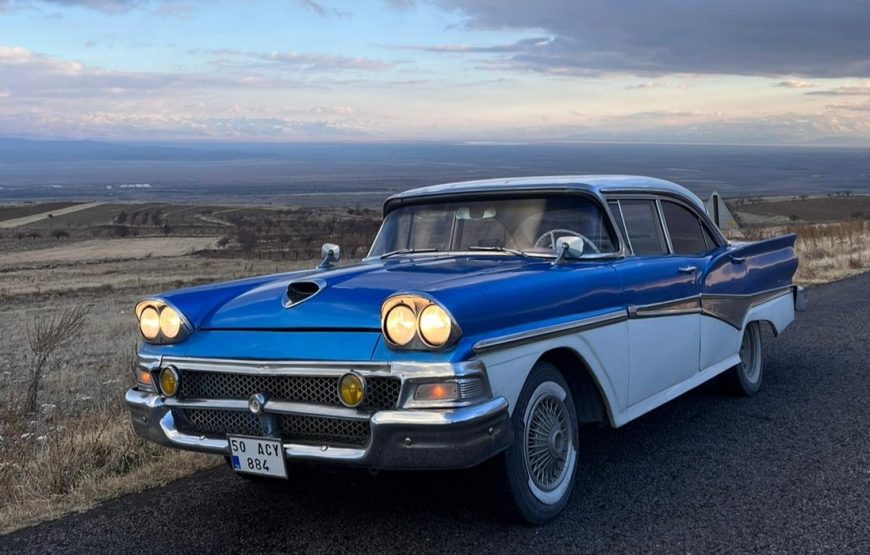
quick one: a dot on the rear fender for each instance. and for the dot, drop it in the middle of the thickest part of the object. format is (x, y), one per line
(746, 268)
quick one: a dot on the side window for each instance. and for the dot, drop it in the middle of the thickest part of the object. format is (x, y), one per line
(685, 229)
(643, 227)
(617, 215)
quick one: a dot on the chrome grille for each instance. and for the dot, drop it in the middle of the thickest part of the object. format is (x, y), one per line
(294, 428)
(382, 392)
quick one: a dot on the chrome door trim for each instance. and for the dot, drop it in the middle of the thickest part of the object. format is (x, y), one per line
(546, 332)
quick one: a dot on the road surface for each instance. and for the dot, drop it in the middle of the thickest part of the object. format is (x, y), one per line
(785, 471)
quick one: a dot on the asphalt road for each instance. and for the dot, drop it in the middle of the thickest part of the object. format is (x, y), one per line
(787, 470)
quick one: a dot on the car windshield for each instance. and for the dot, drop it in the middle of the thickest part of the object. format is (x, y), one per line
(523, 225)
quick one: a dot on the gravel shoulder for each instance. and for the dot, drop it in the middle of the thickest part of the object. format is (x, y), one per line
(785, 471)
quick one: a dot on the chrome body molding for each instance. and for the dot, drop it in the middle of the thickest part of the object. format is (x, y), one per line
(546, 332)
(279, 368)
(731, 309)
(406, 439)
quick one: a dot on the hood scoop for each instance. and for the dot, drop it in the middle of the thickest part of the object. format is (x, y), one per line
(299, 291)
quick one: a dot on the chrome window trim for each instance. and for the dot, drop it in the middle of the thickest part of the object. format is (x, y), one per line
(664, 225)
(546, 332)
(628, 194)
(396, 202)
(622, 217)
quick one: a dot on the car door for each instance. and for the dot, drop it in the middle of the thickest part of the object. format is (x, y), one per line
(691, 237)
(661, 293)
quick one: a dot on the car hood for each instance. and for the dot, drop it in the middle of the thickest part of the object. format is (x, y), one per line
(479, 291)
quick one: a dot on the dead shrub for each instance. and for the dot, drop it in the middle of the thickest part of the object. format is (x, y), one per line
(44, 337)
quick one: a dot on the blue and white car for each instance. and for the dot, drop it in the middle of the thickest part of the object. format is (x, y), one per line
(488, 323)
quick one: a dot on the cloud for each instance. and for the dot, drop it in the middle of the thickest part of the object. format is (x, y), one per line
(849, 107)
(794, 84)
(321, 62)
(321, 10)
(656, 85)
(308, 62)
(400, 4)
(734, 37)
(522, 45)
(163, 7)
(861, 89)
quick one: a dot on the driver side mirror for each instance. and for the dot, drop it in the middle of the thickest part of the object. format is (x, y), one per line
(331, 253)
(568, 247)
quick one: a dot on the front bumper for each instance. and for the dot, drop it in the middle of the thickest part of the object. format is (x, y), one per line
(400, 439)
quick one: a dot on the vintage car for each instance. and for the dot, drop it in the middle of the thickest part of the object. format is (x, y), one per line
(489, 321)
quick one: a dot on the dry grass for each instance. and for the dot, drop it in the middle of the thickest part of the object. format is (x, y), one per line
(73, 463)
(78, 448)
(827, 252)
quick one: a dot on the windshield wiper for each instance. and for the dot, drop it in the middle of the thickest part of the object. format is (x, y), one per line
(406, 251)
(498, 249)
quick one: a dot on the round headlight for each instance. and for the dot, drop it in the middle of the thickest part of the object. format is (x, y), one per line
(149, 323)
(435, 326)
(170, 323)
(400, 324)
(351, 389)
(168, 381)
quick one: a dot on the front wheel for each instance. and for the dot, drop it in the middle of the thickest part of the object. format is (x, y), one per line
(745, 378)
(535, 476)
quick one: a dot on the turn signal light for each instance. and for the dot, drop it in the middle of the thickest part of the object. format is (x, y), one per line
(144, 378)
(447, 391)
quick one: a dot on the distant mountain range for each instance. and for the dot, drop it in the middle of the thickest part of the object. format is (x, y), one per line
(14, 150)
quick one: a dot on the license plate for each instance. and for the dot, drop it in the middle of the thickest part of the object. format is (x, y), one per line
(257, 455)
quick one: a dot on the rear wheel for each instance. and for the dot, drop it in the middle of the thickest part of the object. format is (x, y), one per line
(745, 378)
(535, 476)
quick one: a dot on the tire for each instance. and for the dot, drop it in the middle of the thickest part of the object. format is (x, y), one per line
(745, 378)
(545, 406)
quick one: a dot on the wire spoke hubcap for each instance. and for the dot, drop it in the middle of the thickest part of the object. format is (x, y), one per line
(547, 442)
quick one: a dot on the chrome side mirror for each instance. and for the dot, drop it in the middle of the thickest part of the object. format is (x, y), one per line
(331, 254)
(568, 246)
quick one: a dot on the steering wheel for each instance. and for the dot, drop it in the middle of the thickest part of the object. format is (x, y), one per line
(554, 234)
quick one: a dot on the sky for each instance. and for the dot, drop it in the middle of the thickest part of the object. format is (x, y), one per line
(713, 71)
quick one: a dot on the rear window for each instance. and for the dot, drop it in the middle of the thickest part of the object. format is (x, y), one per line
(685, 229)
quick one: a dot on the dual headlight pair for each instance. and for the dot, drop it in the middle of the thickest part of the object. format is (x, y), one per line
(160, 323)
(410, 321)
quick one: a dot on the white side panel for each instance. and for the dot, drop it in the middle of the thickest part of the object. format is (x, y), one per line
(675, 391)
(604, 349)
(663, 352)
(719, 341)
(779, 312)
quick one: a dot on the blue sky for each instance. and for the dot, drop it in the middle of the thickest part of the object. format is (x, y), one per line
(735, 71)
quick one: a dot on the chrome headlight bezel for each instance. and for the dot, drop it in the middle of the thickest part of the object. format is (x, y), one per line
(159, 305)
(417, 303)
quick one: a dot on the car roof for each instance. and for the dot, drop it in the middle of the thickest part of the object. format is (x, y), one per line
(599, 184)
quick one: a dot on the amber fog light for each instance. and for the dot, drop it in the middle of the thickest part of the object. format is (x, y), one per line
(169, 381)
(351, 390)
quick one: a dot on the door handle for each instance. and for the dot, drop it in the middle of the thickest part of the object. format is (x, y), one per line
(687, 269)
(738, 259)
